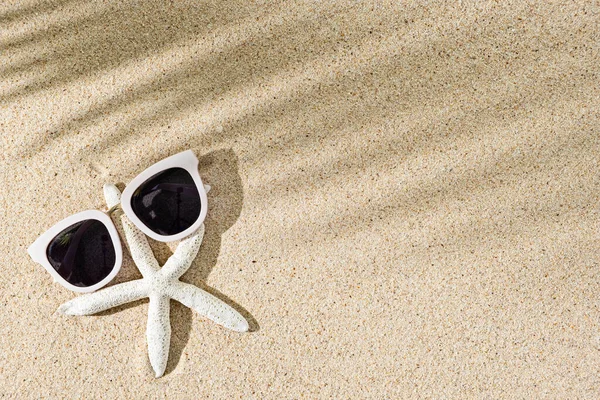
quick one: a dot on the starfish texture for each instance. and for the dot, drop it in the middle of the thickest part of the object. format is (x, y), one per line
(159, 285)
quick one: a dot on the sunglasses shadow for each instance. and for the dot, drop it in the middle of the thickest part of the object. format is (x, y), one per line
(220, 170)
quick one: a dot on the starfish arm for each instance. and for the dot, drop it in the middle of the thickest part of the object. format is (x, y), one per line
(140, 250)
(105, 299)
(158, 333)
(208, 305)
(112, 195)
(181, 260)
(136, 240)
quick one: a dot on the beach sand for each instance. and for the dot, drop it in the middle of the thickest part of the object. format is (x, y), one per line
(405, 196)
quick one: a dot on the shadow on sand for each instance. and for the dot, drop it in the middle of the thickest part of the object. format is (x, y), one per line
(219, 169)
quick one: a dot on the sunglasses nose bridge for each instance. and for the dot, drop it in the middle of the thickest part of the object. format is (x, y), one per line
(113, 209)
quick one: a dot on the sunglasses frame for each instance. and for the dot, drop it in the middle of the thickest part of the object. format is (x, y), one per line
(38, 249)
(186, 160)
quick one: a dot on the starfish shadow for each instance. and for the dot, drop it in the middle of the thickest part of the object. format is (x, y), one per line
(220, 170)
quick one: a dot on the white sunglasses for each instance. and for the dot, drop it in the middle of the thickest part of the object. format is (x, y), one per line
(167, 202)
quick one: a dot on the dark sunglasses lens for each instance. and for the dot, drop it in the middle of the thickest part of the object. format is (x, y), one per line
(168, 203)
(83, 254)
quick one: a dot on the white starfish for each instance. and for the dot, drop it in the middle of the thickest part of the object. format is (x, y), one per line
(159, 285)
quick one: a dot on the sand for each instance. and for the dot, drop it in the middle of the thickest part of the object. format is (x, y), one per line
(405, 197)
